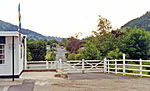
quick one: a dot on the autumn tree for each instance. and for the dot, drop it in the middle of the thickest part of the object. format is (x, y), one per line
(104, 25)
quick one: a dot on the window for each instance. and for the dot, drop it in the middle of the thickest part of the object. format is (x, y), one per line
(2, 54)
(2, 40)
(2, 49)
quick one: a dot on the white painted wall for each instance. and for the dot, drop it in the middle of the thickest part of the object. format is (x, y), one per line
(6, 68)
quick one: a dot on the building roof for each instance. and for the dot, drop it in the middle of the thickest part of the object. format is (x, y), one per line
(9, 33)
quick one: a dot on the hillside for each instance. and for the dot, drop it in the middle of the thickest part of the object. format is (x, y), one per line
(31, 34)
(143, 21)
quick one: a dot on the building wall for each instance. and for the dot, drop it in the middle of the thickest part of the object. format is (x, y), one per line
(6, 68)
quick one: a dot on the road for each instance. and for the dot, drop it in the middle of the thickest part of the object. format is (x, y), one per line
(45, 81)
(60, 54)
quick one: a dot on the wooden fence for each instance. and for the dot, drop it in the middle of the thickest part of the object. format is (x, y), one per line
(124, 66)
(42, 65)
(128, 67)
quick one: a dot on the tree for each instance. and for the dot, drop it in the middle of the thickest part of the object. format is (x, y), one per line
(29, 57)
(73, 45)
(137, 44)
(37, 49)
(90, 52)
(53, 56)
(71, 56)
(52, 43)
(104, 25)
(114, 54)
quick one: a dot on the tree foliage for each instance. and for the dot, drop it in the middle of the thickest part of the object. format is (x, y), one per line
(104, 25)
(90, 52)
(29, 57)
(37, 50)
(137, 44)
(73, 45)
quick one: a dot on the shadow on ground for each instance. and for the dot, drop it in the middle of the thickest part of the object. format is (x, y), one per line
(79, 76)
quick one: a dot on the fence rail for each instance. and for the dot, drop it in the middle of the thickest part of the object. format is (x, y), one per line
(128, 67)
(42, 65)
(125, 66)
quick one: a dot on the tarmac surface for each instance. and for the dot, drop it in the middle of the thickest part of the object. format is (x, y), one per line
(90, 76)
(45, 81)
(27, 85)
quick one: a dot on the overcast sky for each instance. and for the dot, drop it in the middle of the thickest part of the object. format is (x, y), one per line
(66, 17)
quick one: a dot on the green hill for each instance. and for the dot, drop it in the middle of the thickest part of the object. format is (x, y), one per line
(143, 21)
(4, 26)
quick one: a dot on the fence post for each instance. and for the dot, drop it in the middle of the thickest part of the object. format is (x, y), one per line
(46, 64)
(60, 63)
(124, 67)
(83, 66)
(108, 66)
(140, 67)
(50, 64)
(105, 69)
(115, 66)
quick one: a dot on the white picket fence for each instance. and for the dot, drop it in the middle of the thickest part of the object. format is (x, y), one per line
(127, 67)
(74, 66)
(42, 65)
(124, 66)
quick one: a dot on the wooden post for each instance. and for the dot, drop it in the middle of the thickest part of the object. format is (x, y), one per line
(140, 67)
(108, 66)
(60, 63)
(124, 67)
(105, 69)
(83, 66)
(51, 64)
(115, 66)
(47, 64)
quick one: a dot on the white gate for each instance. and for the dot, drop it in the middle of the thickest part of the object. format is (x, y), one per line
(75, 66)
(82, 66)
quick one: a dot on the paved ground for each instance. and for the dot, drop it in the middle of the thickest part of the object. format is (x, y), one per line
(45, 81)
(90, 76)
(98, 82)
(27, 85)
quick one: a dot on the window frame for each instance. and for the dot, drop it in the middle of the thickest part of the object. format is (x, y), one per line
(2, 54)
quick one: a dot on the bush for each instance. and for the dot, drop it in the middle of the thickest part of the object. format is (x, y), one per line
(71, 56)
(53, 56)
(66, 54)
(79, 57)
(48, 56)
(115, 54)
(90, 52)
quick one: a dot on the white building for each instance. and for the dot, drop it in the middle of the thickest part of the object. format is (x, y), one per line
(6, 51)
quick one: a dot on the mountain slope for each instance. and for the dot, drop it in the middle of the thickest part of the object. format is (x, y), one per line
(143, 21)
(30, 34)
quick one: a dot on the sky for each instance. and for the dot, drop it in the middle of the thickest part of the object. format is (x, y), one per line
(64, 18)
